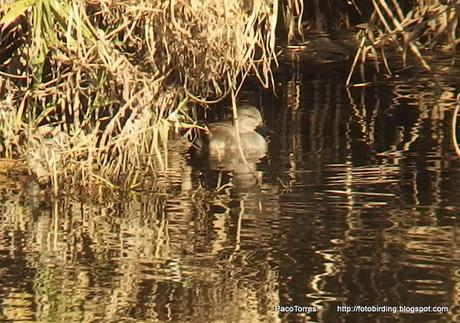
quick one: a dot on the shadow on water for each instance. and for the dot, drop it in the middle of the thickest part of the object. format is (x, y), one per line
(357, 204)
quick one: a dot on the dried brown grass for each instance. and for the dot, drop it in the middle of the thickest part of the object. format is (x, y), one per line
(94, 87)
(428, 24)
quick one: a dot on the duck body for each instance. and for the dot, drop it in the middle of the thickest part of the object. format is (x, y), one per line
(222, 143)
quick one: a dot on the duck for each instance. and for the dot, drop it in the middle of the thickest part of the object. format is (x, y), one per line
(221, 140)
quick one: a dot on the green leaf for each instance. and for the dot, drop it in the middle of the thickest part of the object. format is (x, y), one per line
(14, 10)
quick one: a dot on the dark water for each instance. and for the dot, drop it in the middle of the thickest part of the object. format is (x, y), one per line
(358, 204)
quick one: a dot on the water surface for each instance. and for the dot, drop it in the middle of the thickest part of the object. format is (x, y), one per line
(357, 203)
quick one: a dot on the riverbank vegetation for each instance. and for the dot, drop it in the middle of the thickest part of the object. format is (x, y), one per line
(92, 91)
(410, 28)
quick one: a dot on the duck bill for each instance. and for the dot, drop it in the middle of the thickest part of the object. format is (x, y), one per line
(263, 130)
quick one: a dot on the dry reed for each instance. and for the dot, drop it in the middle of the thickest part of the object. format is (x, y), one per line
(94, 87)
(426, 24)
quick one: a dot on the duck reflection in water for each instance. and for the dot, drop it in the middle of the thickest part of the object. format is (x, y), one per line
(220, 144)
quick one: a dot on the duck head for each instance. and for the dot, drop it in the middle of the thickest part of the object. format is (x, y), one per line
(249, 118)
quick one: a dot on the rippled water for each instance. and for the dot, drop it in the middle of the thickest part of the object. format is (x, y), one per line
(357, 203)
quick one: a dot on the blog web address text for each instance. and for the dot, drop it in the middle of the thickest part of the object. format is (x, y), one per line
(391, 309)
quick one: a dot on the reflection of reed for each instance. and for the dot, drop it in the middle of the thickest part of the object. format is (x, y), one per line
(307, 122)
(149, 256)
(356, 170)
(454, 127)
